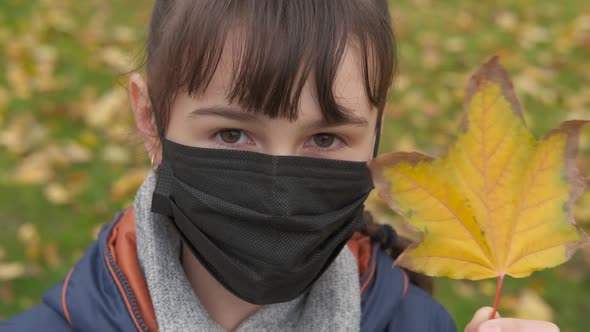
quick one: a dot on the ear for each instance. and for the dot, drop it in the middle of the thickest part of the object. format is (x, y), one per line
(144, 117)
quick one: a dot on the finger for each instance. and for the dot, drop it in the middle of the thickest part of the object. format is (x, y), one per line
(517, 325)
(480, 316)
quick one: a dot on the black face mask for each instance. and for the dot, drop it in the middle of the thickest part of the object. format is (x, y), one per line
(266, 227)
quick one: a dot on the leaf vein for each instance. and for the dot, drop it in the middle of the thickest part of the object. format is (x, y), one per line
(518, 258)
(533, 182)
(461, 222)
(457, 259)
(485, 170)
(552, 198)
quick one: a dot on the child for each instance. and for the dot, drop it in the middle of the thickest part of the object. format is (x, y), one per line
(258, 117)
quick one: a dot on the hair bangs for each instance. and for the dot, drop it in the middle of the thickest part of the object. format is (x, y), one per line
(277, 45)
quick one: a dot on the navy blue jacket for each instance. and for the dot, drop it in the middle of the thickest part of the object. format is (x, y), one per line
(106, 291)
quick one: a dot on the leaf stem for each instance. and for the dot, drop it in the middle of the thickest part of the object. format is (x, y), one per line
(498, 292)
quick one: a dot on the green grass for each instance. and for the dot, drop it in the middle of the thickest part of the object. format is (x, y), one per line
(440, 44)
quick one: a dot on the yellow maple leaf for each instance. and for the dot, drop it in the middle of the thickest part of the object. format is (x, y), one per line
(498, 202)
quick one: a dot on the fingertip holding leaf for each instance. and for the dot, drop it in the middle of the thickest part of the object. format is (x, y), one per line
(499, 202)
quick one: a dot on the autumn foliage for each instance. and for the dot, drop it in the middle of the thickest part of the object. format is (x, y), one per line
(498, 202)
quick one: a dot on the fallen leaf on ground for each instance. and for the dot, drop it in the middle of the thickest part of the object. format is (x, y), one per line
(51, 255)
(34, 169)
(128, 183)
(57, 193)
(530, 305)
(15, 270)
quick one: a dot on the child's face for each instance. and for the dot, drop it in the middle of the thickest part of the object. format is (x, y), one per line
(209, 121)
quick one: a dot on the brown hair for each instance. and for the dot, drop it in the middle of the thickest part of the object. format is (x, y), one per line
(281, 42)
(385, 236)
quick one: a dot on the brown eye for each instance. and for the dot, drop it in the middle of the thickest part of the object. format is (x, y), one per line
(323, 140)
(230, 136)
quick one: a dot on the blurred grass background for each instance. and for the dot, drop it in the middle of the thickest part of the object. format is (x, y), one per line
(69, 157)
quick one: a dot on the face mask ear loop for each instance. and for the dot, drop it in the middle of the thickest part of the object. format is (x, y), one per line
(158, 122)
(377, 136)
(160, 130)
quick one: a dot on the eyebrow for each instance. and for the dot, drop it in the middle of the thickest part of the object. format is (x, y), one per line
(227, 112)
(239, 114)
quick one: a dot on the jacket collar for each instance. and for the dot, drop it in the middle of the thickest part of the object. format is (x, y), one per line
(116, 282)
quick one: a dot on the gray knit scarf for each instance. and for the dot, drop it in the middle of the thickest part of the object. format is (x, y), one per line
(332, 303)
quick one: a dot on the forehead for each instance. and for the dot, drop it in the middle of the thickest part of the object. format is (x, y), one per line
(348, 87)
